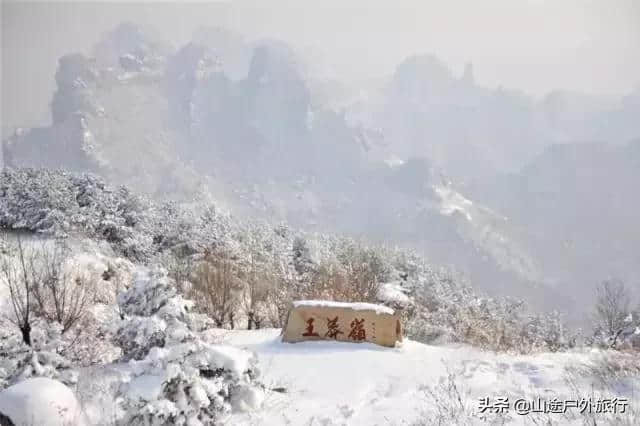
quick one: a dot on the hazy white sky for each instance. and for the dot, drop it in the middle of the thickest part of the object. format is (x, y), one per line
(532, 45)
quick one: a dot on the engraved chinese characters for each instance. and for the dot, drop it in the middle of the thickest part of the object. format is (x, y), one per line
(309, 330)
(357, 330)
(333, 328)
(346, 322)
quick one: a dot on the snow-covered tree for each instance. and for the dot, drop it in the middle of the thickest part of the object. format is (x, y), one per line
(615, 320)
(64, 294)
(21, 275)
(217, 284)
(195, 383)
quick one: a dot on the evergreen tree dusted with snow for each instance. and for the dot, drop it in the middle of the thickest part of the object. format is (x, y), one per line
(178, 378)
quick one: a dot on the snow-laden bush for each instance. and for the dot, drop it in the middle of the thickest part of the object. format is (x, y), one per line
(45, 358)
(616, 321)
(444, 309)
(156, 315)
(177, 377)
(63, 203)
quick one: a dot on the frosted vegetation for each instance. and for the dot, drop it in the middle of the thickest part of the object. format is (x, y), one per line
(245, 274)
(147, 283)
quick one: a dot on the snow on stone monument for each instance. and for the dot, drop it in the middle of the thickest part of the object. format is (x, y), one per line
(345, 322)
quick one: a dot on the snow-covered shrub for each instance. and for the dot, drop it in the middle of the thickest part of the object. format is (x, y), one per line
(62, 203)
(150, 306)
(189, 383)
(59, 293)
(139, 335)
(59, 202)
(53, 354)
(178, 378)
(616, 323)
(437, 299)
(117, 275)
(12, 352)
(546, 332)
(180, 268)
(45, 358)
(150, 293)
(65, 292)
(91, 341)
(444, 309)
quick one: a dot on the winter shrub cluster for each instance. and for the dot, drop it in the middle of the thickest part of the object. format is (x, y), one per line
(61, 203)
(257, 280)
(168, 371)
(52, 318)
(45, 358)
(445, 310)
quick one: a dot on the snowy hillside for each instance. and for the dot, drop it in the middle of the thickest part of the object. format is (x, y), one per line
(161, 291)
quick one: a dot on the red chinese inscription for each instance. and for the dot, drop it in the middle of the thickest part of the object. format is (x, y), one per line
(332, 328)
(357, 329)
(309, 330)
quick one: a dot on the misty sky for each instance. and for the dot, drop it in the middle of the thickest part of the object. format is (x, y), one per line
(532, 45)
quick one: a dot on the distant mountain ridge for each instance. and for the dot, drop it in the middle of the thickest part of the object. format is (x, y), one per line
(471, 176)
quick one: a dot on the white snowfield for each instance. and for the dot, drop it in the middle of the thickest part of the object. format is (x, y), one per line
(379, 309)
(335, 383)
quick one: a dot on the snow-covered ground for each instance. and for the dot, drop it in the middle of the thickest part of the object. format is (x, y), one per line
(334, 383)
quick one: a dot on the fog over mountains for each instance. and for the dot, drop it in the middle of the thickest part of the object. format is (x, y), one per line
(530, 197)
